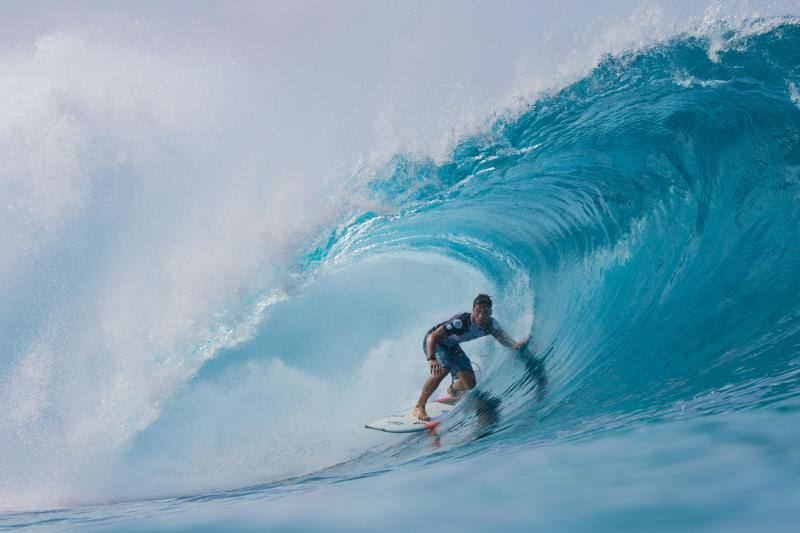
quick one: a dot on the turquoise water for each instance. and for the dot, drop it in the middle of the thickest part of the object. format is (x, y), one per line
(641, 224)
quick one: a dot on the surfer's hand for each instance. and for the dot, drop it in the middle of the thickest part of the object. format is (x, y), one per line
(436, 366)
(521, 344)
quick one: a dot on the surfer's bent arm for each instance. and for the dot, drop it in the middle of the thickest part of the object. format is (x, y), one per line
(433, 339)
(506, 340)
(430, 349)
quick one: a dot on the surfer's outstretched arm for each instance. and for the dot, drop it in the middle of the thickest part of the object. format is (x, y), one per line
(506, 340)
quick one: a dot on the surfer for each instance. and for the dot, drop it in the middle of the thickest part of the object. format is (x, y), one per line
(445, 356)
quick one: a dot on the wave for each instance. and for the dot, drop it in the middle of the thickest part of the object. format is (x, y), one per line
(640, 224)
(637, 223)
(650, 208)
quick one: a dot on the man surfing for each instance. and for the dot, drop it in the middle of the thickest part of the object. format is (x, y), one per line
(445, 356)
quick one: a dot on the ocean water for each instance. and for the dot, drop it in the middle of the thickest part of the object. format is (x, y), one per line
(641, 223)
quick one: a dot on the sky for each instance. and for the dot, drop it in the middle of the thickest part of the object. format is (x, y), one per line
(355, 79)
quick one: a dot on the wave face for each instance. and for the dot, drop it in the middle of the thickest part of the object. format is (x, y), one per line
(651, 211)
(641, 224)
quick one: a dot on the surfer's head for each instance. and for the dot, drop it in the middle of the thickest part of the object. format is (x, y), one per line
(482, 310)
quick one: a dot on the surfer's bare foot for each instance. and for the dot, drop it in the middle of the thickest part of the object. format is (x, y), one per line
(454, 393)
(420, 413)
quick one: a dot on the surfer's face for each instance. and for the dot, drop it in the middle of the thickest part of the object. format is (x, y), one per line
(481, 315)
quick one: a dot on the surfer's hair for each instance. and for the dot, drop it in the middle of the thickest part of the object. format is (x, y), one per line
(482, 300)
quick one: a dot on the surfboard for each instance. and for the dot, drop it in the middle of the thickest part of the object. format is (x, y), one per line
(407, 423)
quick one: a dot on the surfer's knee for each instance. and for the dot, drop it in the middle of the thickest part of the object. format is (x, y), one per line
(438, 376)
(468, 379)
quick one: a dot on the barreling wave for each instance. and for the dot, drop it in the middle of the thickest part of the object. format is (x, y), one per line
(652, 209)
(641, 224)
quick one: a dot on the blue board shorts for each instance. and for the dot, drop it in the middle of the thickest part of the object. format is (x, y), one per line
(452, 358)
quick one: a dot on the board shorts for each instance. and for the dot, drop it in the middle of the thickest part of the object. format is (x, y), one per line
(452, 358)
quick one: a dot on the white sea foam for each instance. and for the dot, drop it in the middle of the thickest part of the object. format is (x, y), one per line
(794, 94)
(116, 152)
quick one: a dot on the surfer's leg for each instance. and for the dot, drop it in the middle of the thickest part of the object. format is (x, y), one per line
(465, 380)
(464, 374)
(430, 385)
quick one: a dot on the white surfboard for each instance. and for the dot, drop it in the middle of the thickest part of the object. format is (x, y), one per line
(407, 423)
